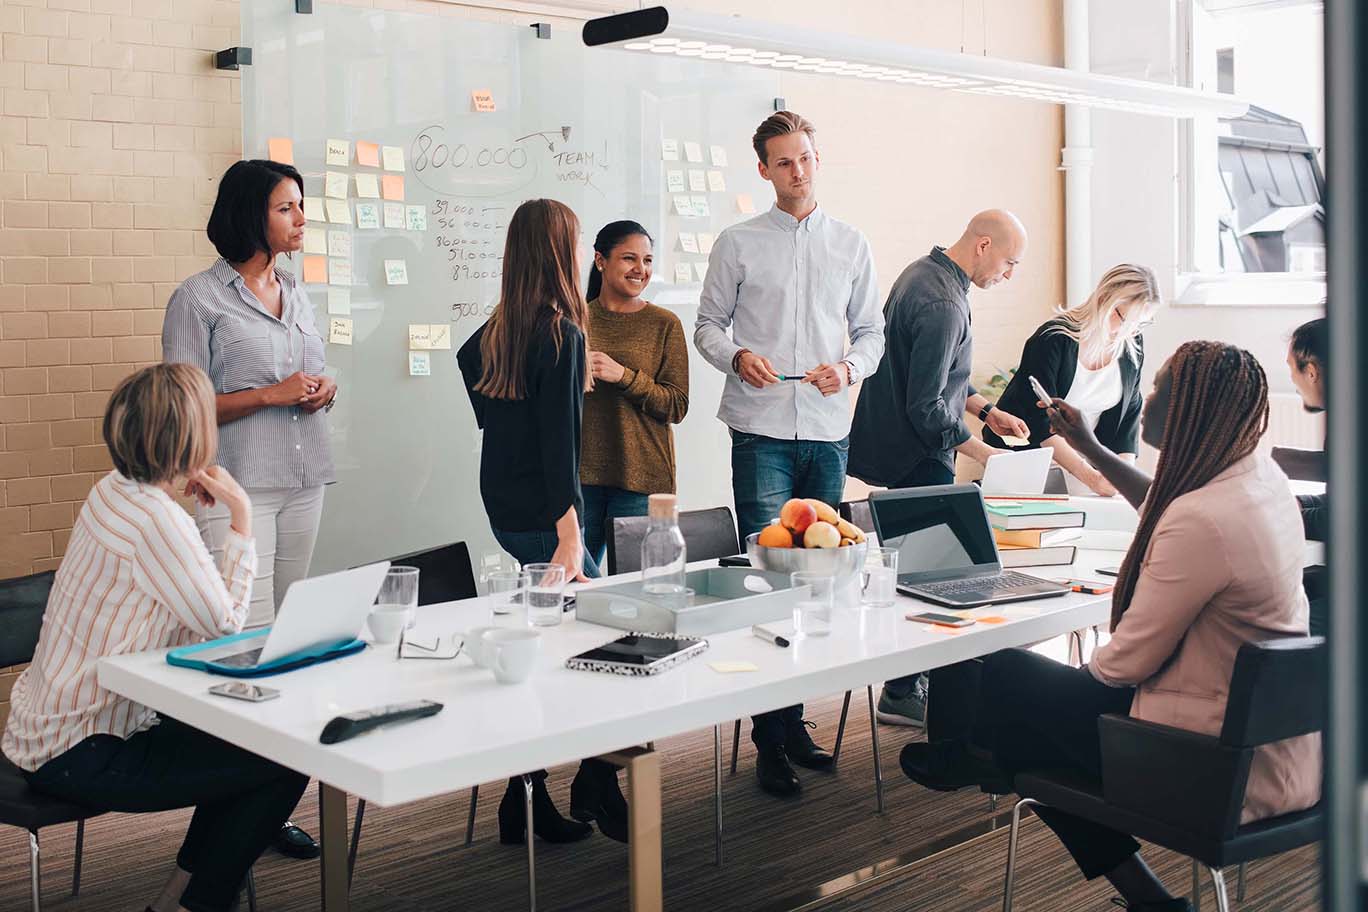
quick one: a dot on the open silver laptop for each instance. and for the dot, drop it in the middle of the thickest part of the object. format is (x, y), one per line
(946, 551)
(319, 611)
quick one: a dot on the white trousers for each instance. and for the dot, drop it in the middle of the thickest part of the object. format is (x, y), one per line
(285, 526)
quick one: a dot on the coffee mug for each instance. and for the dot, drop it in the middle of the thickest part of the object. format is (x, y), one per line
(511, 653)
(385, 622)
(475, 645)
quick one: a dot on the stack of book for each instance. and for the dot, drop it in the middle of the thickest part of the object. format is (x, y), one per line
(1036, 532)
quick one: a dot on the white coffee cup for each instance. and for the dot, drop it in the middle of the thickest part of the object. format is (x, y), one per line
(385, 622)
(475, 646)
(511, 653)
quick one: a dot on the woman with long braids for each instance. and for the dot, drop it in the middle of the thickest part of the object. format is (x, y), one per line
(1215, 564)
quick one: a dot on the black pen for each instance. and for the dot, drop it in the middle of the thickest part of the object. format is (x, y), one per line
(769, 636)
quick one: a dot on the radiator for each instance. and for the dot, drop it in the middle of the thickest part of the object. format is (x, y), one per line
(1290, 425)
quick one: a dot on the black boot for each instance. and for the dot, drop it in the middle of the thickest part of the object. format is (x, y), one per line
(546, 820)
(773, 772)
(801, 749)
(947, 766)
(595, 795)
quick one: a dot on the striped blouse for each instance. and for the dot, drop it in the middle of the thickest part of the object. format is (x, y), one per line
(214, 322)
(136, 576)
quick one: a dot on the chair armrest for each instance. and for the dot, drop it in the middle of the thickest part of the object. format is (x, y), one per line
(1181, 778)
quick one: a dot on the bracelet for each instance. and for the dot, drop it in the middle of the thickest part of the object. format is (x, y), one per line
(736, 359)
(983, 412)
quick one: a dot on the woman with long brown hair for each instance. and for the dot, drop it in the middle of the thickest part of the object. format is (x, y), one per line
(1215, 563)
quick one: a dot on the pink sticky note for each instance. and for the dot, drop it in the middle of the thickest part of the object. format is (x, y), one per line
(316, 270)
(368, 154)
(392, 186)
(280, 149)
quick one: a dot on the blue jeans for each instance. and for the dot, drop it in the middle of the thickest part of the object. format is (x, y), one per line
(600, 505)
(537, 547)
(765, 473)
(924, 474)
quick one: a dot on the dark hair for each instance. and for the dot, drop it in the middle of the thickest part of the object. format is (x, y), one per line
(1311, 342)
(609, 236)
(780, 123)
(237, 226)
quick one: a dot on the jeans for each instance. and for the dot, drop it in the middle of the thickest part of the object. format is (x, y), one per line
(240, 799)
(537, 547)
(600, 505)
(285, 524)
(765, 473)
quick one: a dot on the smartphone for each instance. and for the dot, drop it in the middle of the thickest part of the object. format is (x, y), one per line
(1040, 390)
(944, 620)
(1087, 587)
(1108, 571)
(241, 690)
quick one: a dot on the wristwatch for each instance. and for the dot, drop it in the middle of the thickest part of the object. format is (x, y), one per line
(852, 375)
(983, 412)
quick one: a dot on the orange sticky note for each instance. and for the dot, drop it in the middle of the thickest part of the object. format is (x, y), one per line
(368, 154)
(280, 149)
(992, 619)
(483, 99)
(316, 270)
(392, 186)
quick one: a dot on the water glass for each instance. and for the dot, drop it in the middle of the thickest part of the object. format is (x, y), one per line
(400, 588)
(545, 594)
(492, 562)
(812, 613)
(881, 577)
(508, 593)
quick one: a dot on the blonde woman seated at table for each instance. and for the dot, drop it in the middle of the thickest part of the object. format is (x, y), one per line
(1090, 355)
(137, 577)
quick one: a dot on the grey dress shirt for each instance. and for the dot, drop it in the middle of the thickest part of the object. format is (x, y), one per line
(790, 290)
(215, 323)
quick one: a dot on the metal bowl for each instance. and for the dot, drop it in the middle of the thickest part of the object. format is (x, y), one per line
(842, 563)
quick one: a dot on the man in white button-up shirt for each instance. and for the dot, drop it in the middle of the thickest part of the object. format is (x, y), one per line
(791, 285)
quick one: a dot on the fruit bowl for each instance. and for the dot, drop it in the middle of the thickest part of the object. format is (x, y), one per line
(842, 563)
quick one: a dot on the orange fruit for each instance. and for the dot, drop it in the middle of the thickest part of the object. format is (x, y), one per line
(775, 536)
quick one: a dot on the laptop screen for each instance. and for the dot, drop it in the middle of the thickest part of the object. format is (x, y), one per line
(940, 532)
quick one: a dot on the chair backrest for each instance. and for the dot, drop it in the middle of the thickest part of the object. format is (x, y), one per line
(1277, 691)
(857, 513)
(444, 574)
(708, 534)
(22, 602)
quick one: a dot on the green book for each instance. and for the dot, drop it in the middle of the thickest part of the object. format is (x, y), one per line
(1034, 515)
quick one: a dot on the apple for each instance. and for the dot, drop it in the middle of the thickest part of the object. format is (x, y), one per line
(821, 535)
(797, 514)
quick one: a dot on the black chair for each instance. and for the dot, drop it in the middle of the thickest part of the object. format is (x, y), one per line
(22, 602)
(857, 513)
(1184, 791)
(708, 534)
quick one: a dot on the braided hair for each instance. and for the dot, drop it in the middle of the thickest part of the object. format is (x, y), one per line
(1218, 410)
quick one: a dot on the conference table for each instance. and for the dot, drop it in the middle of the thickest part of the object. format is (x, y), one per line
(489, 731)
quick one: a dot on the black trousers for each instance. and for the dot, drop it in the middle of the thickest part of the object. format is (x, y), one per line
(1039, 714)
(240, 800)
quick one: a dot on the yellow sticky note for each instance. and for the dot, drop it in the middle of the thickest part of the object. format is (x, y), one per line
(316, 270)
(340, 330)
(393, 157)
(394, 215)
(335, 184)
(688, 242)
(716, 182)
(669, 149)
(339, 212)
(339, 271)
(367, 154)
(280, 149)
(339, 300)
(315, 240)
(733, 667)
(744, 203)
(339, 243)
(419, 336)
(392, 187)
(338, 152)
(368, 186)
(313, 209)
(482, 100)
(693, 151)
(698, 182)
(439, 336)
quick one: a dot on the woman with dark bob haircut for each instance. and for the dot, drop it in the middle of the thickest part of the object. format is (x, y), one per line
(248, 324)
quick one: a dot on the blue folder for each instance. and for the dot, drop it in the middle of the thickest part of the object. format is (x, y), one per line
(185, 656)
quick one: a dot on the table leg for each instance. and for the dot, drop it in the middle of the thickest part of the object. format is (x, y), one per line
(646, 880)
(332, 838)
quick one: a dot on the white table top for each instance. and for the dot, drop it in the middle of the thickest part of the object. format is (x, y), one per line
(488, 731)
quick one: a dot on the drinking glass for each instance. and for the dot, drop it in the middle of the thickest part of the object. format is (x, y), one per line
(812, 613)
(881, 577)
(508, 592)
(492, 562)
(400, 588)
(545, 594)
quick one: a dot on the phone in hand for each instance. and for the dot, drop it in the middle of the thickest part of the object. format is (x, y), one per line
(943, 620)
(1040, 391)
(241, 690)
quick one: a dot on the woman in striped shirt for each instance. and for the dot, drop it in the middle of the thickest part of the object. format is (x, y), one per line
(136, 577)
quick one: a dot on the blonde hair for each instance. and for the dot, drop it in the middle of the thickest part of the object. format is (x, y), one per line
(161, 423)
(1089, 323)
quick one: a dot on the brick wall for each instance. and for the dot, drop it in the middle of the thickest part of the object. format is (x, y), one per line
(114, 127)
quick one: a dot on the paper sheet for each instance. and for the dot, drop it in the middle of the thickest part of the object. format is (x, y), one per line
(393, 157)
(396, 272)
(417, 218)
(315, 270)
(394, 215)
(367, 185)
(392, 187)
(339, 300)
(669, 150)
(719, 156)
(315, 240)
(693, 151)
(716, 182)
(340, 330)
(338, 152)
(698, 181)
(339, 271)
(367, 215)
(335, 184)
(339, 212)
(280, 149)
(420, 364)
(339, 242)
(367, 154)
(313, 209)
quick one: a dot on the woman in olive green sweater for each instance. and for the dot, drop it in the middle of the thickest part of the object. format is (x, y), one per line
(640, 364)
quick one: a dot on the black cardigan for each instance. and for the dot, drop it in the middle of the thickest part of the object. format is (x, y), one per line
(1052, 358)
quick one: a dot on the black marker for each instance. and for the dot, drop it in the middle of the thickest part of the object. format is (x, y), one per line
(769, 637)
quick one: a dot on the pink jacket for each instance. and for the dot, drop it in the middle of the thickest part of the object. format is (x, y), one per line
(1223, 569)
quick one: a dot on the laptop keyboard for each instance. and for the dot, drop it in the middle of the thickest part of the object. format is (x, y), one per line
(240, 659)
(1004, 582)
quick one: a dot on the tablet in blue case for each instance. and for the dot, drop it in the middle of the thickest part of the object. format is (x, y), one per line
(185, 656)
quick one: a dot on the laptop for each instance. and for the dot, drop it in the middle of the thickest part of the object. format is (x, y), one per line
(946, 551)
(1020, 472)
(317, 612)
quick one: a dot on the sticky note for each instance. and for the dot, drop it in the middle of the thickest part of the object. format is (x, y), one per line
(1014, 441)
(315, 240)
(439, 336)
(417, 218)
(339, 300)
(688, 242)
(482, 100)
(682, 205)
(693, 151)
(313, 209)
(420, 364)
(394, 215)
(683, 275)
(339, 243)
(744, 203)
(705, 242)
(733, 667)
(396, 272)
(280, 149)
(338, 152)
(339, 212)
(393, 157)
(418, 335)
(339, 271)
(674, 181)
(368, 186)
(367, 154)
(719, 156)
(700, 206)
(392, 186)
(992, 619)
(335, 184)
(367, 215)
(316, 270)
(698, 183)
(669, 150)
(340, 330)
(701, 270)
(716, 182)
